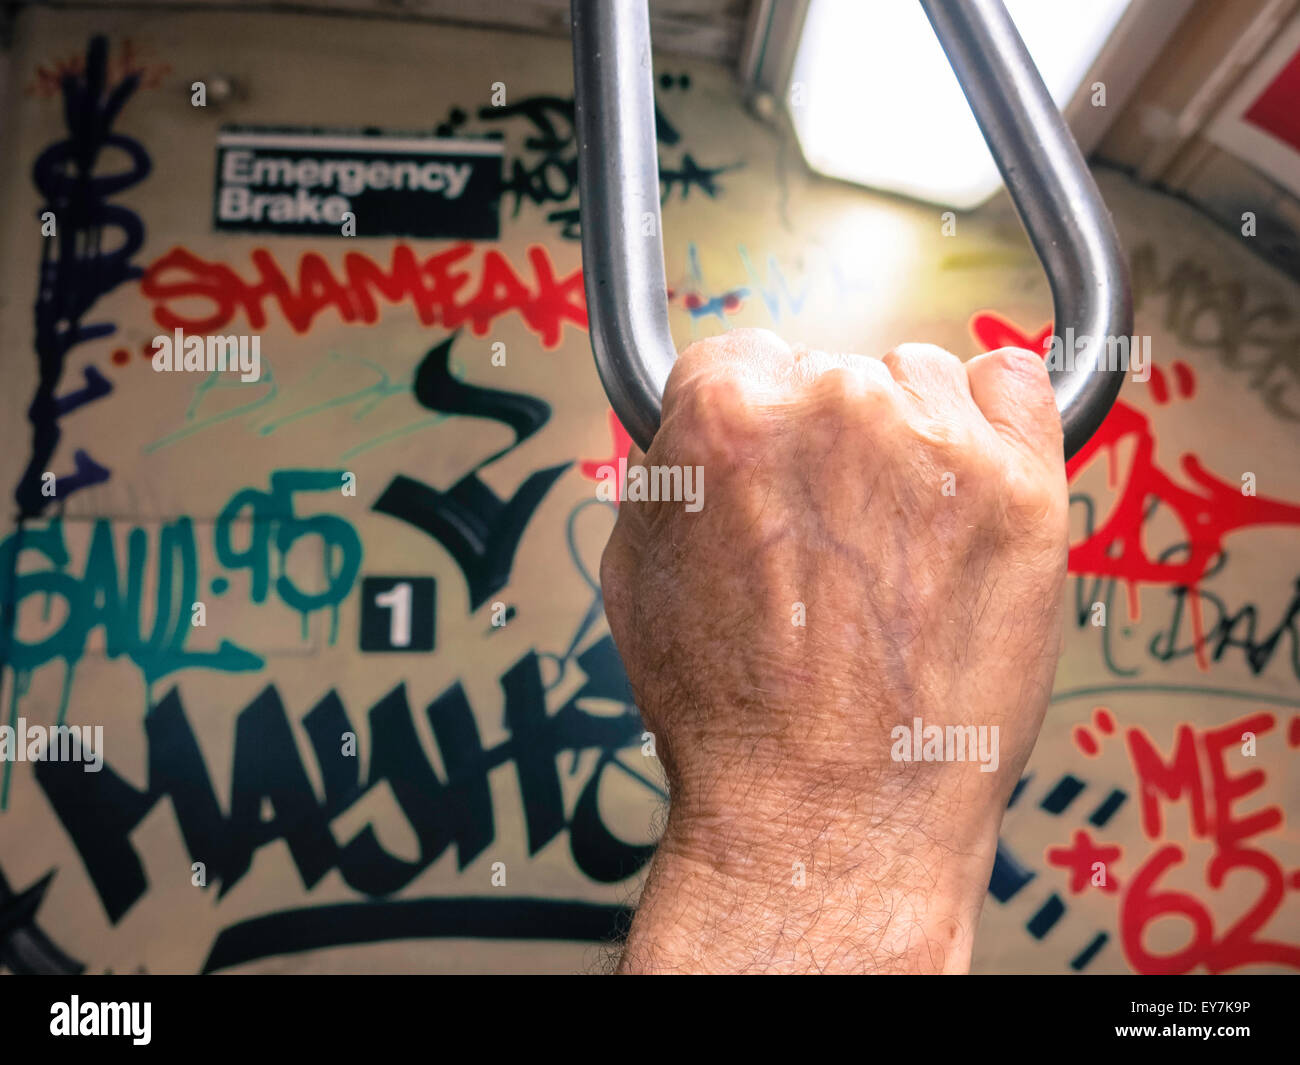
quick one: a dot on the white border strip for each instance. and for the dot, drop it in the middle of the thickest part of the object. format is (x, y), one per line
(333, 142)
(1248, 142)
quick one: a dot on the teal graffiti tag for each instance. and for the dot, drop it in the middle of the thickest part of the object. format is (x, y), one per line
(106, 595)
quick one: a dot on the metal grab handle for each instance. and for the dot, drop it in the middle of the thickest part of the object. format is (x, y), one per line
(1054, 194)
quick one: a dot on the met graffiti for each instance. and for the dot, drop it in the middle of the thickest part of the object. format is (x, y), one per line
(1199, 779)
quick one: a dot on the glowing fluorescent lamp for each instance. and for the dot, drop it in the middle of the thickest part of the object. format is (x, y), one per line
(874, 101)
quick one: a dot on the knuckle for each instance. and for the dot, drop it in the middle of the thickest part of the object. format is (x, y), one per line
(950, 438)
(718, 414)
(855, 396)
(1025, 368)
(981, 466)
(720, 398)
(918, 354)
(699, 354)
(755, 338)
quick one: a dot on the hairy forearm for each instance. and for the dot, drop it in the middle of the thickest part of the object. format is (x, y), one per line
(884, 550)
(813, 888)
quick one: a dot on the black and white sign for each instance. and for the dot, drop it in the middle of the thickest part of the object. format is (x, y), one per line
(362, 185)
(397, 613)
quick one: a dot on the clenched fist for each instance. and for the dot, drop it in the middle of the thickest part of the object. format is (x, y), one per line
(844, 654)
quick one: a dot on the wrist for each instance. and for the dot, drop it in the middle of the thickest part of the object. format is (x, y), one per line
(820, 884)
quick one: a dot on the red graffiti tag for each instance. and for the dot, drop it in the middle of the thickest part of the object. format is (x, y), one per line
(1207, 509)
(1197, 774)
(438, 288)
(1082, 858)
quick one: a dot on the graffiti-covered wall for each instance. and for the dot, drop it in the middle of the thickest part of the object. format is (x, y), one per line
(319, 598)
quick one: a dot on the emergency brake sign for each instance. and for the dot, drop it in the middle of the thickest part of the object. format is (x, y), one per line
(357, 185)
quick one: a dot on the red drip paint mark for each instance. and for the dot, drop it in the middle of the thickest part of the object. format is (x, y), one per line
(994, 331)
(1208, 510)
(451, 289)
(121, 357)
(1159, 391)
(1083, 739)
(1293, 732)
(691, 301)
(1186, 379)
(1104, 721)
(622, 444)
(1080, 859)
(127, 62)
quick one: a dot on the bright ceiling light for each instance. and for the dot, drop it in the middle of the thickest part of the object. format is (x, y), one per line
(874, 101)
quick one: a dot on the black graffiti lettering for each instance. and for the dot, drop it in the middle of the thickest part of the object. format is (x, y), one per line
(25, 949)
(534, 753)
(267, 770)
(1219, 317)
(75, 269)
(438, 389)
(326, 723)
(479, 529)
(457, 917)
(1229, 631)
(596, 850)
(467, 797)
(100, 811)
(690, 175)
(548, 174)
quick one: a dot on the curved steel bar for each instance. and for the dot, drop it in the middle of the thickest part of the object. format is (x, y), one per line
(1053, 191)
(618, 179)
(1058, 204)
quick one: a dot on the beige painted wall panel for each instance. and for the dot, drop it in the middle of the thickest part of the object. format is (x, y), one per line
(750, 239)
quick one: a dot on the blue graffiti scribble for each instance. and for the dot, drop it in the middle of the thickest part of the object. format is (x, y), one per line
(75, 270)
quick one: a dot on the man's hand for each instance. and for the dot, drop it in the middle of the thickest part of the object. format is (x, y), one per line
(880, 541)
